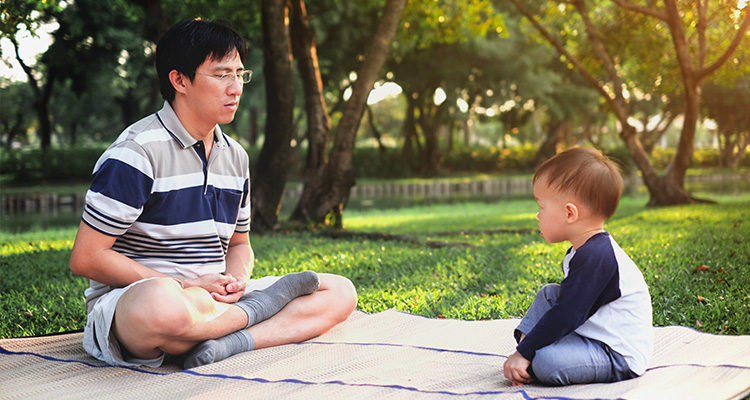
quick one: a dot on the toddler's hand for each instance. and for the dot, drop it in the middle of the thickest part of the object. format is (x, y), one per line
(515, 369)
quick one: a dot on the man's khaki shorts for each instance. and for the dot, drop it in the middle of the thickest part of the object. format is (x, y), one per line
(99, 341)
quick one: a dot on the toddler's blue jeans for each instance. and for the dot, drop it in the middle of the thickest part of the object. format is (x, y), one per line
(574, 358)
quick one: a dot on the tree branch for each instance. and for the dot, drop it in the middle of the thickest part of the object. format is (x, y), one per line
(643, 10)
(26, 69)
(730, 50)
(560, 48)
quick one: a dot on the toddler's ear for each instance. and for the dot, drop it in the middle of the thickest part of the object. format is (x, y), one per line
(572, 213)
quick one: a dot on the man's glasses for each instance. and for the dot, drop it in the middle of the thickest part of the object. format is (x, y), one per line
(228, 78)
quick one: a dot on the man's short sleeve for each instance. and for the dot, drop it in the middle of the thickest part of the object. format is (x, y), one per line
(243, 217)
(121, 185)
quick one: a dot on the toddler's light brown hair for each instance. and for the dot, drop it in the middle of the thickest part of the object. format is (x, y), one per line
(587, 175)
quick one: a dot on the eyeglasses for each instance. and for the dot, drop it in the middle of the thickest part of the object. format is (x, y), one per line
(229, 77)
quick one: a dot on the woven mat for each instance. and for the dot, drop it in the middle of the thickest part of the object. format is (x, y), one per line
(385, 355)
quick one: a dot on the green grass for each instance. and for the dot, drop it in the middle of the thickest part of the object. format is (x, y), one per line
(694, 258)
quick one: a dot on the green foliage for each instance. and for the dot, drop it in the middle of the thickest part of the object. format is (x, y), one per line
(17, 115)
(661, 157)
(15, 14)
(693, 258)
(369, 162)
(490, 159)
(728, 106)
(430, 23)
(29, 166)
(35, 165)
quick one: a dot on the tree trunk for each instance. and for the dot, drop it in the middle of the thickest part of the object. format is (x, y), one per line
(431, 130)
(374, 129)
(44, 131)
(41, 98)
(270, 172)
(156, 21)
(318, 121)
(409, 131)
(325, 194)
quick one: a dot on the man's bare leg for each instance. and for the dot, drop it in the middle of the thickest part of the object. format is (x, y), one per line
(303, 318)
(159, 316)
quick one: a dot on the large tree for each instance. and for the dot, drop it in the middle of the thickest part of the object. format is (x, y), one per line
(96, 53)
(328, 181)
(328, 176)
(15, 15)
(270, 171)
(704, 34)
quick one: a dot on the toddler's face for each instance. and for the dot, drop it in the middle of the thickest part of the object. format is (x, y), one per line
(551, 215)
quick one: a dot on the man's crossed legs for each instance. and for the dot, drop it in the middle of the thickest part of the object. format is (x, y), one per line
(158, 316)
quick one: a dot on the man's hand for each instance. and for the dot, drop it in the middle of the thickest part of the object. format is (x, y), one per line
(212, 283)
(232, 291)
(515, 369)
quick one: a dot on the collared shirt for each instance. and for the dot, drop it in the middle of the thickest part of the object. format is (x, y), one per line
(170, 208)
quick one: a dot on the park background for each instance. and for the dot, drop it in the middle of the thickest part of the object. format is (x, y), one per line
(393, 142)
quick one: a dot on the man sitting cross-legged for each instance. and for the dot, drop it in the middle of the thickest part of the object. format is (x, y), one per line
(164, 237)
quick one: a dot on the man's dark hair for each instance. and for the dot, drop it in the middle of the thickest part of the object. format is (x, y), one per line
(188, 44)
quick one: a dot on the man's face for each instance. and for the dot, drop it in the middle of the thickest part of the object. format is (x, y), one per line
(211, 100)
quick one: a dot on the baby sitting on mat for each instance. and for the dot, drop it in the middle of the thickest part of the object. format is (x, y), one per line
(596, 325)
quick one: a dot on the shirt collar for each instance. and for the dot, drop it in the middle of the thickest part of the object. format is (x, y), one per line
(172, 124)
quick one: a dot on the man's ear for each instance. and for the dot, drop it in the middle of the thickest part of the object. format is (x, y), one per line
(572, 213)
(178, 81)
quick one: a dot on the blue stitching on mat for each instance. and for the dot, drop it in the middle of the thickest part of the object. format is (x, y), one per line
(399, 387)
(341, 383)
(472, 353)
(88, 364)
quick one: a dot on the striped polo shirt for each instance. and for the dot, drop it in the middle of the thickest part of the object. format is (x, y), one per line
(170, 208)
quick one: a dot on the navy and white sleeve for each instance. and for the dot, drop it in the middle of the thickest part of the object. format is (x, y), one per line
(592, 281)
(121, 184)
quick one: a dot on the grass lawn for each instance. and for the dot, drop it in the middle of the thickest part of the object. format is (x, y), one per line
(695, 259)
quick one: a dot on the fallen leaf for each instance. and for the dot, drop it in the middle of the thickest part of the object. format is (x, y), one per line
(701, 268)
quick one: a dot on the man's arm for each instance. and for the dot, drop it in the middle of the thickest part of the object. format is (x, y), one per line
(93, 258)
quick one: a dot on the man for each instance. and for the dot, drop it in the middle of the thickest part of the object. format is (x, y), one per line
(164, 236)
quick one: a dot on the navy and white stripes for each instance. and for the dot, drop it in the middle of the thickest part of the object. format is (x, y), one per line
(168, 208)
